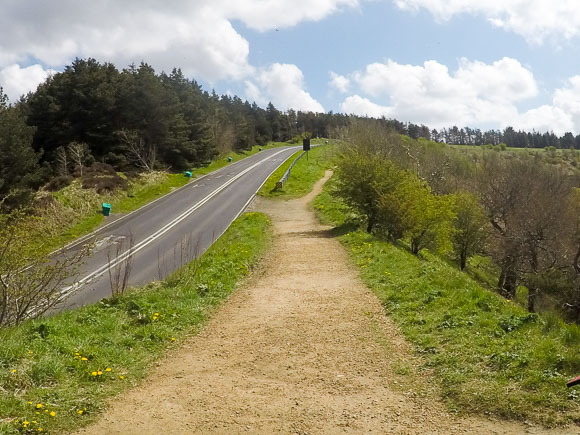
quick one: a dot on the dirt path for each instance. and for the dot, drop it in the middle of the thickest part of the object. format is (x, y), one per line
(302, 348)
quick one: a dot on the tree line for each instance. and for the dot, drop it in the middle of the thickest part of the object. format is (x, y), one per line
(509, 136)
(517, 209)
(132, 119)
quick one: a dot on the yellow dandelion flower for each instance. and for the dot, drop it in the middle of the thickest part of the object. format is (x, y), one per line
(80, 412)
(30, 403)
(108, 369)
(156, 314)
(99, 373)
(34, 422)
(84, 359)
(13, 370)
(25, 423)
(30, 352)
(154, 317)
(39, 429)
(172, 338)
(77, 354)
(94, 373)
(52, 413)
(121, 377)
(38, 405)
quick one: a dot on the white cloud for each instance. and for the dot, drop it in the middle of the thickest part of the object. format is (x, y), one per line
(355, 104)
(17, 81)
(476, 94)
(339, 82)
(561, 116)
(197, 35)
(283, 85)
(270, 14)
(535, 20)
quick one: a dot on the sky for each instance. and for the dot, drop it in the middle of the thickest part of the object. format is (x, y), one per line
(484, 64)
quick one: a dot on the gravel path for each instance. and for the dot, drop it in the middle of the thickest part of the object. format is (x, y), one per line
(303, 347)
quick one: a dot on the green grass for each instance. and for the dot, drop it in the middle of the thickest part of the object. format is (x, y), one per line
(488, 355)
(307, 171)
(41, 361)
(138, 195)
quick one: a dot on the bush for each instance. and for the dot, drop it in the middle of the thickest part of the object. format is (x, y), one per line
(103, 178)
(58, 183)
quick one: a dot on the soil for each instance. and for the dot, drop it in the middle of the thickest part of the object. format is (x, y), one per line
(303, 348)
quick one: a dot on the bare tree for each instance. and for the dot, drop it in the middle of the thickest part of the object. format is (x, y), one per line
(142, 154)
(62, 160)
(78, 153)
(31, 284)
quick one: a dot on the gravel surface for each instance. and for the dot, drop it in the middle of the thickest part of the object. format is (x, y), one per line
(303, 348)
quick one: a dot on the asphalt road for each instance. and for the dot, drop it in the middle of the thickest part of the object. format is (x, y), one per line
(169, 232)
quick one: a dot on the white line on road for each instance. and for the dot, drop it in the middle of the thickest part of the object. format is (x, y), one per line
(150, 239)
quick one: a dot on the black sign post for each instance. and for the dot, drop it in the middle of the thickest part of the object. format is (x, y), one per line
(306, 146)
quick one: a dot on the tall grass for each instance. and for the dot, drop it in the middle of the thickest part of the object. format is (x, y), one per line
(488, 355)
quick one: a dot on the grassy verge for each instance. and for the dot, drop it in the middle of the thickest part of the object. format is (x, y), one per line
(141, 192)
(306, 172)
(71, 363)
(489, 355)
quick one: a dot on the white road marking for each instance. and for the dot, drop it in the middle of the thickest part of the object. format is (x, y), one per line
(150, 239)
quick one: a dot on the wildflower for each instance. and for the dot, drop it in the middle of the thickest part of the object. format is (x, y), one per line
(156, 314)
(94, 373)
(507, 300)
(99, 373)
(121, 377)
(25, 423)
(83, 359)
(80, 412)
(38, 405)
(30, 403)
(108, 369)
(30, 352)
(37, 413)
(13, 370)
(39, 429)
(52, 413)
(172, 338)
(34, 422)
(154, 317)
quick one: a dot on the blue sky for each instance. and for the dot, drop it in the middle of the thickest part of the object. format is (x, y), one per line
(439, 62)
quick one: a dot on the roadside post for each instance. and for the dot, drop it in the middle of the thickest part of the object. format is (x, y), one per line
(306, 146)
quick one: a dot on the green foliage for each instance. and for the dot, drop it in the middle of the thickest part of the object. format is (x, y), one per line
(469, 233)
(488, 355)
(18, 161)
(307, 171)
(429, 219)
(394, 200)
(363, 179)
(51, 361)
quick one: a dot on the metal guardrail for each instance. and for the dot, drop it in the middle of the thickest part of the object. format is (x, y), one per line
(280, 184)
